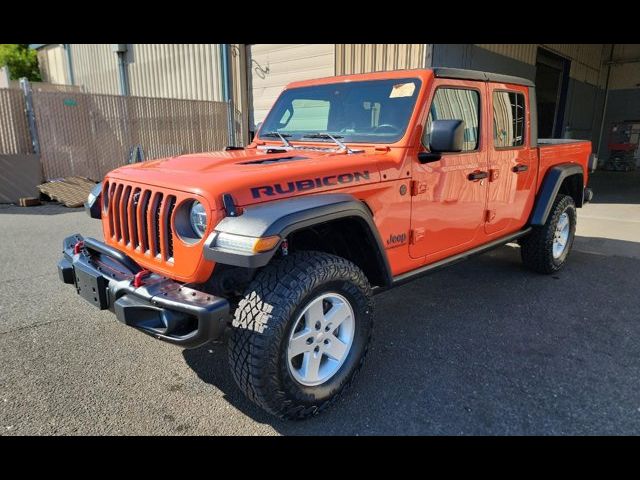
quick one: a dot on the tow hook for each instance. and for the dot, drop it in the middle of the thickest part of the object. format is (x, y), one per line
(138, 278)
(77, 248)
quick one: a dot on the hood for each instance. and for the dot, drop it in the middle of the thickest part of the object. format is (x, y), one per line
(254, 176)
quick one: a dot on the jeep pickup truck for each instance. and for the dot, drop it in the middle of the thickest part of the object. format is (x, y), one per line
(352, 185)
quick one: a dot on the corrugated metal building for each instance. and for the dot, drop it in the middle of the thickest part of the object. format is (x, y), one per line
(576, 82)
(275, 65)
(188, 71)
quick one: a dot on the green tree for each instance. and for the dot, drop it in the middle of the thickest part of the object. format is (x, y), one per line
(22, 61)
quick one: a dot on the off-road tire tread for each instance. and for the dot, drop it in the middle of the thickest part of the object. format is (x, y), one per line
(253, 356)
(536, 248)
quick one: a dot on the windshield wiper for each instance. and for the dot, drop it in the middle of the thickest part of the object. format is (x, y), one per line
(283, 137)
(327, 136)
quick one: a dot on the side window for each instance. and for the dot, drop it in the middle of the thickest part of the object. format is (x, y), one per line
(456, 104)
(508, 119)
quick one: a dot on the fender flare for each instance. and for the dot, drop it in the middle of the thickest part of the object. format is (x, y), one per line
(283, 217)
(549, 190)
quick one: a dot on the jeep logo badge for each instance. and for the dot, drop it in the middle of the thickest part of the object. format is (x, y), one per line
(396, 240)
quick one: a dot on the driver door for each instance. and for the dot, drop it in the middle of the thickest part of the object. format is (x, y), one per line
(449, 194)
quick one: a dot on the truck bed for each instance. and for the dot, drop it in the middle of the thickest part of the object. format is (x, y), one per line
(554, 151)
(542, 142)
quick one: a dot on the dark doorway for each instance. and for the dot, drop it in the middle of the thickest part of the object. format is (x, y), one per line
(552, 80)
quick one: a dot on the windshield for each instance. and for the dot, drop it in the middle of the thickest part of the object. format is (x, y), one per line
(375, 111)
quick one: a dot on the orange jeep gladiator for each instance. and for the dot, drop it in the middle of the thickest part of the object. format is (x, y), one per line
(352, 185)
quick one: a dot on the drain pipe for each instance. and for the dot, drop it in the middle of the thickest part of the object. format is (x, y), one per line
(227, 92)
(606, 98)
(121, 49)
(427, 60)
(67, 51)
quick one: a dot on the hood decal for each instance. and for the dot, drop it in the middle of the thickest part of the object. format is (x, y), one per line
(308, 184)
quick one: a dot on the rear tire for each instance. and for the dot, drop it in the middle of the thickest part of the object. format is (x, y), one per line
(291, 306)
(546, 248)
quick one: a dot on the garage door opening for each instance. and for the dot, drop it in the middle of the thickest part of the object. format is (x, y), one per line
(552, 80)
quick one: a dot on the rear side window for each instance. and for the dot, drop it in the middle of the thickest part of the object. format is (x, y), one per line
(508, 119)
(456, 104)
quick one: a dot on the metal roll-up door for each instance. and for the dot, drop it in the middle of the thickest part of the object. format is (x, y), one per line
(273, 66)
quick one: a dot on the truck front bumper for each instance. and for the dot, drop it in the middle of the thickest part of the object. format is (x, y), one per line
(155, 305)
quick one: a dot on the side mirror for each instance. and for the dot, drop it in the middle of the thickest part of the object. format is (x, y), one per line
(446, 136)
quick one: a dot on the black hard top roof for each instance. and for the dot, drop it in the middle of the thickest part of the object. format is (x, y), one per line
(462, 74)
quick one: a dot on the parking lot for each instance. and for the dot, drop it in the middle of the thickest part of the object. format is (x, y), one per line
(484, 347)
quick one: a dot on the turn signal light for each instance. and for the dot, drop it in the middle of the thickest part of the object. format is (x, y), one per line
(266, 244)
(241, 243)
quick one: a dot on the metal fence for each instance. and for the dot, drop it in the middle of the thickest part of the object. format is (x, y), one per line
(14, 129)
(88, 135)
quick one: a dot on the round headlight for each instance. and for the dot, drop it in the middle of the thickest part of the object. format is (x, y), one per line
(198, 218)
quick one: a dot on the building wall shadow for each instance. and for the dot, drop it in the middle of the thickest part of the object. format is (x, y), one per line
(44, 209)
(615, 187)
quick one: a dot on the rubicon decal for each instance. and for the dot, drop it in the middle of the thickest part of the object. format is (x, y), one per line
(308, 184)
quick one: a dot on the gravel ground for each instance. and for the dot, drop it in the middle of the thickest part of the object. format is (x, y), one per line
(484, 347)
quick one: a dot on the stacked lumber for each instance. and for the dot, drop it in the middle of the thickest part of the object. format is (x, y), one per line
(70, 191)
(28, 201)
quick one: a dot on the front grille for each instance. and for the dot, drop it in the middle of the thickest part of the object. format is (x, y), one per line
(167, 226)
(140, 220)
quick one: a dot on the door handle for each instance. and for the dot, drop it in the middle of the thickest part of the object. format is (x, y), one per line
(520, 168)
(475, 176)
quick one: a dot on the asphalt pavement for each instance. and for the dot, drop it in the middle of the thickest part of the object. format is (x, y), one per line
(483, 347)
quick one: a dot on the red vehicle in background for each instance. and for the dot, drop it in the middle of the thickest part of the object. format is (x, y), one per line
(353, 185)
(624, 146)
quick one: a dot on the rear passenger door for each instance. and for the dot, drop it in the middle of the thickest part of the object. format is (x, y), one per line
(512, 163)
(447, 207)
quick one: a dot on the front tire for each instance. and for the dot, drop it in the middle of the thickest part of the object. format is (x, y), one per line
(301, 333)
(546, 248)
